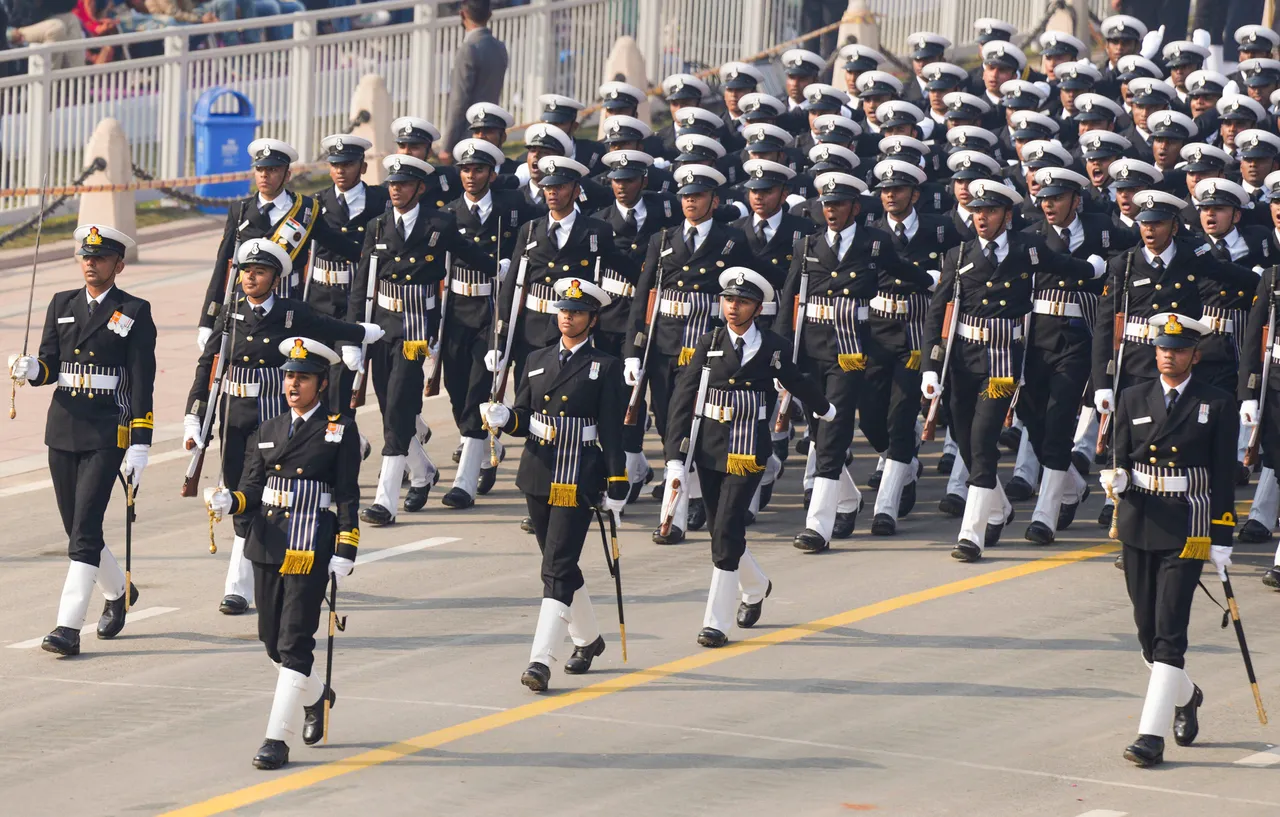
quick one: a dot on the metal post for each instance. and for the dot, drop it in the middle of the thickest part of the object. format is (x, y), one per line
(423, 63)
(1081, 8)
(753, 27)
(302, 87)
(649, 36)
(542, 78)
(39, 92)
(175, 119)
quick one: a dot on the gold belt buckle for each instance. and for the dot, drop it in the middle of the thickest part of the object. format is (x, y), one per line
(1159, 484)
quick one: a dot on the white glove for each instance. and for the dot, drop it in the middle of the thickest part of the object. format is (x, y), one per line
(372, 332)
(1249, 413)
(191, 428)
(743, 210)
(22, 367)
(830, 414)
(495, 414)
(936, 275)
(793, 199)
(930, 386)
(1220, 555)
(1104, 400)
(504, 264)
(1152, 42)
(615, 506)
(218, 500)
(1099, 265)
(202, 337)
(1231, 89)
(631, 370)
(352, 357)
(341, 567)
(1114, 480)
(493, 360)
(135, 460)
(1201, 38)
(674, 471)
(661, 163)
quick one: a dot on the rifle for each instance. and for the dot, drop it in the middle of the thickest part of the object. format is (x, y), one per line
(783, 420)
(497, 260)
(221, 360)
(499, 387)
(31, 296)
(433, 378)
(360, 385)
(698, 403)
(949, 320)
(615, 570)
(339, 623)
(130, 513)
(651, 314)
(311, 260)
(1022, 371)
(1117, 345)
(1255, 436)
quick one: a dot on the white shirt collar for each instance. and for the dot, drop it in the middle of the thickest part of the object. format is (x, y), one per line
(1166, 256)
(845, 239)
(638, 208)
(965, 215)
(1236, 244)
(1001, 241)
(770, 224)
(750, 342)
(266, 305)
(909, 224)
(1181, 388)
(89, 297)
(485, 204)
(566, 225)
(281, 202)
(355, 198)
(572, 351)
(409, 219)
(309, 412)
(700, 231)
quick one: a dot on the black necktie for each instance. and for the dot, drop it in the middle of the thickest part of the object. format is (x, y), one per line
(343, 209)
(900, 230)
(990, 252)
(475, 212)
(1173, 399)
(400, 228)
(739, 345)
(553, 229)
(688, 239)
(297, 424)
(259, 312)
(760, 232)
(1221, 245)
(1157, 263)
(565, 354)
(630, 220)
(93, 305)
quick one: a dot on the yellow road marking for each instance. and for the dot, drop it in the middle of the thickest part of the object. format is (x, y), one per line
(375, 757)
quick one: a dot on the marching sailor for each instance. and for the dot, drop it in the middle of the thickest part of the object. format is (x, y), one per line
(569, 407)
(414, 137)
(721, 410)
(290, 220)
(1175, 477)
(299, 499)
(99, 352)
(251, 390)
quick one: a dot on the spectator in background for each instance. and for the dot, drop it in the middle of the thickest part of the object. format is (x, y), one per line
(46, 21)
(479, 70)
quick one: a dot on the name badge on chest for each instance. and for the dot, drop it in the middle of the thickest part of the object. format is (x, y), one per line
(120, 323)
(333, 432)
(1203, 417)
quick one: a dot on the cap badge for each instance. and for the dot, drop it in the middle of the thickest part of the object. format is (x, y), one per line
(94, 238)
(299, 350)
(338, 145)
(622, 160)
(831, 185)
(407, 130)
(742, 279)
(264, 153)
(758, 173)
(469, 153)
(1124, 172)
(1172, 327)
(395, 166)
(551, 165)
(574, 290)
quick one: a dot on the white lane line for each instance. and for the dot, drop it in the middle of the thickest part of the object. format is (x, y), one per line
(365, 557)
(1268, 758)
(40, 485)
(133, 617)
(1103, 812)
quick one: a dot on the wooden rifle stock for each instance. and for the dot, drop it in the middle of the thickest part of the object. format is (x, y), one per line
(931, 420)
(358, 396)
(191, 484)
(1255, 434)
(669, 518)
(637, 391)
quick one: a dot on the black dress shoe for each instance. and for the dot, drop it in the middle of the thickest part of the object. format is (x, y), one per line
(843, 527)
(656, 493)
(526, 525)
(1254, 532)
(1186, 720)
(711, 637)
(1039, 533)
(1119, 562)
(233, 605)
(674, 537)
(810, 541)
(697, 515)
(457, 499)
(782, 449)
(488, 476)
(907, 502)
(1019, 490)
(633, 492)
(802, 446)
(1147, 750)
(991, 536)
(416, 498)
(945, 463)
(580, 661)
(1081, 462)
(271, 755)
(112, 621)
(808, 496)
(377, 516)
(536, 677)
(1272, 578)
(1243, 472)
(766, 494)
(63, 641)
(884, 525)
(952, 505)
(457, 454)
(873, 481)
(1067, 512)
(1011, 438)
(1104, 516)
(313, 721)
(749, 614)
(966, 552)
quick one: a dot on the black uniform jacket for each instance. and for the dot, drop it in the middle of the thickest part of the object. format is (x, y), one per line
(728, 374)
(934, 235)
(512, 210)
(773, 258)
(257, 346)
(1200, 433)
(332, 299)
(661, 210)
(256, 225)
(589, 385)
(325, 449)
(1252, 352)
(121, 336)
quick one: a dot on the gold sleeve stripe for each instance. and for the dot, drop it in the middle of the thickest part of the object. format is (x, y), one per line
(351, 537)
(240, 502)
(617, 479)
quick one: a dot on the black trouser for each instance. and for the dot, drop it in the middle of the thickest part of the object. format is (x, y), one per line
(661, 372)
(289, 612)
(889, 405)
(632, 436)
(466, 379)
(560, 532)
(341, 383)
(843, 390)
(1049, 401)
(976, 419)
(234, 442)
(1161, 587)
(82, 485)
(1222, 374)
(1221, 21)
(398, 383)
(727, 497)
(1172, 14)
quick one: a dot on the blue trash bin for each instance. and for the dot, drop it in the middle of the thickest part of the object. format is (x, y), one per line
(222, 142)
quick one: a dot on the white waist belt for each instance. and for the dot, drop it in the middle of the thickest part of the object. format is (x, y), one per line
(88, 381)
(241, 389)
(825, 312)
(397, 304)
(982, 334)
(284, 499)
(724, 414)
(890, 307)
(547, 432)
(331, 277)
(1275, 351)
(1059, 309)
(1221, 326)
(1138, 331)
(675, 309)
(471, 290)
(541, 305)
(621, 289)
(1167, 485)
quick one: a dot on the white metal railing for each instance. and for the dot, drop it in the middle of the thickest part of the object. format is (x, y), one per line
(953, 19)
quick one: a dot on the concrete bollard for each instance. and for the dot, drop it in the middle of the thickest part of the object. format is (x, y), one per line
(371, 95)
(111, 209)
(626, 64)
(858, 23)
